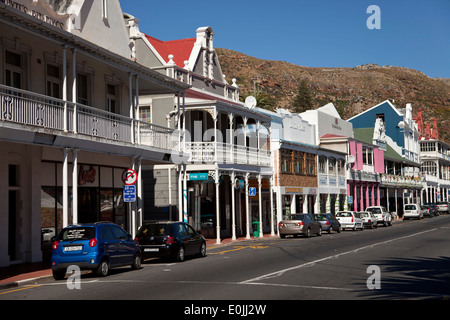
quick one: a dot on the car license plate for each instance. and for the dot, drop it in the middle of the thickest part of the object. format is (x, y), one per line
(151, 249)
(73, 248)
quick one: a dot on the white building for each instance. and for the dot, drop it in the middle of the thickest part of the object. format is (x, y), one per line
(69, 126)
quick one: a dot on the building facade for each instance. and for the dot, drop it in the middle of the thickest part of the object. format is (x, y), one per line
(69, 122)
(400, 183)
(225, 139)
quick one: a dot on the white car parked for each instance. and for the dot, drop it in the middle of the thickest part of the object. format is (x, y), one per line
(412, 210)
(369, 220)
(383, 216)
(350, 219)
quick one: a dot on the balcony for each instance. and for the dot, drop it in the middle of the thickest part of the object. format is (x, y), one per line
(39, 111)
(217, 152)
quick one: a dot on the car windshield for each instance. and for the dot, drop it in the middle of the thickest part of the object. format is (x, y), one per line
(156, 229)
(321, 217)
(410, 207)
(364, 214)
(374, 210)
(343, 214)
(296, 217)
(79, 233)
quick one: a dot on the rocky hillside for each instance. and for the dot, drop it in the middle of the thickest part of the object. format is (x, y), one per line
(352, 90)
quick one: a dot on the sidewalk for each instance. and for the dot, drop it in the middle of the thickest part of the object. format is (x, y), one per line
(30, 273)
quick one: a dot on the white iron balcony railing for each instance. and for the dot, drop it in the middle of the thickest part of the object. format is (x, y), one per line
(218, 152)
(33, 109)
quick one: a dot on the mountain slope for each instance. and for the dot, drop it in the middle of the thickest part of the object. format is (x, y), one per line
(352, 90)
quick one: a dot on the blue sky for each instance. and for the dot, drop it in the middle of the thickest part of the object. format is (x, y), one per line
(327, 33)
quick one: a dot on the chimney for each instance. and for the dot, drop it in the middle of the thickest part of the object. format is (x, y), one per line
(427, 132)
(435, 135)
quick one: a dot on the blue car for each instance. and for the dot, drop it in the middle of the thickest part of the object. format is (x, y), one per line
(94, 246)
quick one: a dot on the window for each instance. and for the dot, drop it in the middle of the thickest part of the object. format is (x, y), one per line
(112, 104)
(286, 161)
(322, 164)
(13, 69)
(145, 114)
(299, 163)
(332, 166)
(82, 89)
(310, 164)
(53, 81)
(429, 167)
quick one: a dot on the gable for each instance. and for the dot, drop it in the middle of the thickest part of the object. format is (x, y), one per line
(180, 49)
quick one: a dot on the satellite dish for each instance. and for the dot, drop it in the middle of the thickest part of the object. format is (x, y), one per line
(250, 102)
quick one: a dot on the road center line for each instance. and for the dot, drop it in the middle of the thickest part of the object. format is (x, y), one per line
(281, 272)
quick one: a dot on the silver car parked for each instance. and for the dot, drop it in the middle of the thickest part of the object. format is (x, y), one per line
(299, 224)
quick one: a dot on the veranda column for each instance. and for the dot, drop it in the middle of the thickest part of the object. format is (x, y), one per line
(247, 213)
(272, 222)
(74, 89)
(217, 208)
(65, 188)
(75, 186)
(260, 233)
(233, 206)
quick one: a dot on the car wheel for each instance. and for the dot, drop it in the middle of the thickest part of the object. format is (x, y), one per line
(103, 268)
(320, 232)
(59, 275)
(180, 255)
(330, 229)
(202, 252)
(308, 233)
(136, 265)
(339, 229)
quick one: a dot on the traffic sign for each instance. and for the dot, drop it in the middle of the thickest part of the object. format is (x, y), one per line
(129, 177)
(252, 191)
(129, 193)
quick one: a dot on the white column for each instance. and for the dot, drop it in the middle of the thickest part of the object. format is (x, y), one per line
(260, 207)
(247, 213)
(139, 194)
(130, 92)
(180, 192)
(272, 222)
(65, 187)
(185, 196)
(64, 88)
(217, 208)
(74, 89)
(233, 206)
(136, 112)
(75, 186)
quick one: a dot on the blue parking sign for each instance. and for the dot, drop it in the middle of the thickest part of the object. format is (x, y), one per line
(129, 193)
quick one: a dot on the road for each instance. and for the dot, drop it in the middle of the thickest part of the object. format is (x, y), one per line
(411, 259)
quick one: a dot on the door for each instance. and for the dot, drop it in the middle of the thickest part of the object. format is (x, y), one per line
(126, 245)
(111, 245)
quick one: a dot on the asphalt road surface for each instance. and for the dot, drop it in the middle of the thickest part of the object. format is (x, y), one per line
(409, 260)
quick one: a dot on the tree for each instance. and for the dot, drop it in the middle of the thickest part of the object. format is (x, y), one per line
(303, 100)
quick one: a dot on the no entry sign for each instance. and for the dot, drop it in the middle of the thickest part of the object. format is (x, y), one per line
(129, 177)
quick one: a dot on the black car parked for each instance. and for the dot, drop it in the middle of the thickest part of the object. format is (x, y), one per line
(172, 239)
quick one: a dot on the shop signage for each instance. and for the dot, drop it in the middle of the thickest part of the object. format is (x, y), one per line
(129, 177)
(86, 176)
(129, 193)
(198, 176)
(240, 184)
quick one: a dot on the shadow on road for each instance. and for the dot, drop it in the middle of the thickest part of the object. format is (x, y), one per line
(414, 278)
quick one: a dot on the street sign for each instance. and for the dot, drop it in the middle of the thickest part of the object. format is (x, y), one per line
(252, 191)
(129, 193)
(129, 177)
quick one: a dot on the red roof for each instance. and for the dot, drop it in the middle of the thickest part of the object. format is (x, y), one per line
(180, 49)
